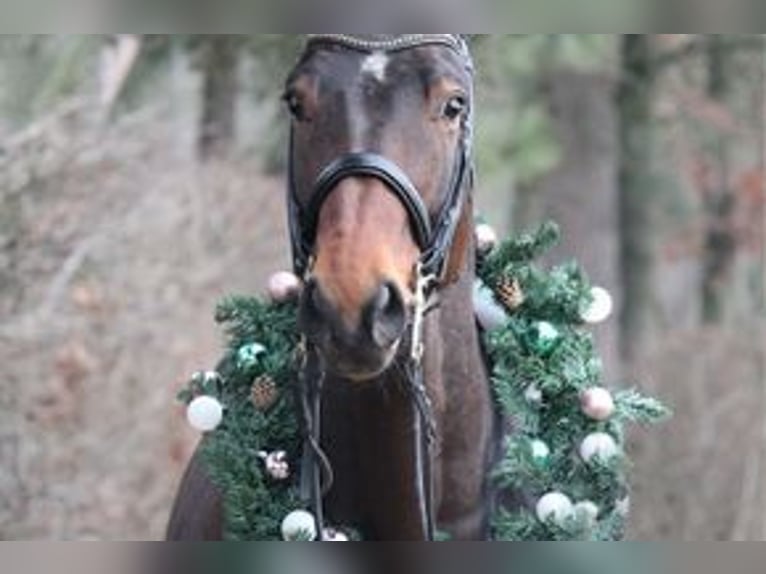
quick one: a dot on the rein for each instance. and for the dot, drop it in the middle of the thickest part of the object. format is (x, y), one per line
(434, 235)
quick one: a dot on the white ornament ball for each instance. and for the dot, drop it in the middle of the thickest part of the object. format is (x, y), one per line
(332, 535)
(533, 395)
(284, 286)
(540, 450)
(600, 308)
(598, 446)
(486, 238)
(299, 526)
(598, 404)
(555, 506)
(588, 510)
(490, 314)
(205, 414)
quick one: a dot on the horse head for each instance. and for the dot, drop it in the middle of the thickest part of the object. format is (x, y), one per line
(379, 162)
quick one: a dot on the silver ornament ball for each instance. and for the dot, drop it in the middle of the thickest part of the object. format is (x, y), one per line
(598, 447)
(556, 507)
(205, 414)
(299, 526)
(486, 238)
(600, 308)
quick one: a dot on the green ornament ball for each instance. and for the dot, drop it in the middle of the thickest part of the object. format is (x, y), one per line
(540, 452)
(542, 338)
(247, 355)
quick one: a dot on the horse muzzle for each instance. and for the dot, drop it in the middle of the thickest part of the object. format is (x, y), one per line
(357, 350)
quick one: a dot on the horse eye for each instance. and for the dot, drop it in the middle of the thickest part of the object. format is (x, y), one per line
(455, 107)
(294, 105)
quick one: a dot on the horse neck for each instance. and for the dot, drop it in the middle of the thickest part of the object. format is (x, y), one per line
(456, 303)
(453, 326)
(367, 431)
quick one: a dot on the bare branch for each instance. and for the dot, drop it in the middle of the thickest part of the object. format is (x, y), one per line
(118, 60)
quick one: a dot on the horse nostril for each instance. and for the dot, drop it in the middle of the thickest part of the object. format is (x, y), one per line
(388, 315)
(384, 297)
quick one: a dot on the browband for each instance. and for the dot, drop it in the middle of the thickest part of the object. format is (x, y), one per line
(388, 42)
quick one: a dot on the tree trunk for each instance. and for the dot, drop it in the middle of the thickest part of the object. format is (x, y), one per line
(220, 63)
(720, 201)
(638, 185)
(580, 194)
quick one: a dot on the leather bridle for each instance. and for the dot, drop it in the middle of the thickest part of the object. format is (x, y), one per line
(434, 234)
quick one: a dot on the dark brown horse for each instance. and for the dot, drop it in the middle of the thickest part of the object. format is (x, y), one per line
(406, 100)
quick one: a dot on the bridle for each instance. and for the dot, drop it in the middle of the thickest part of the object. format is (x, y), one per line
(434, 235)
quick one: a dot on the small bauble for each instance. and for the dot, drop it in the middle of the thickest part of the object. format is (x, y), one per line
(599, 447)
(489, 313)
(264, 393)
(598, 404)
(276, 465)
(600, 308)
(284, 287)
(587, 511)
(486, 238)
(299, 526)
(540, 452)
(247, 355)
(543, 338)
(533, 395)
(205, 414)
(206, 382)
(206, 377)
(333, 535)
(556, 507)
(510, 294)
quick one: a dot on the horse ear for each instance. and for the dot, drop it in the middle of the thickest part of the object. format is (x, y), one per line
(460, 245)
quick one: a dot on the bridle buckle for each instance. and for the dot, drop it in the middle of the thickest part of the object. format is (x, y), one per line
(423, 286)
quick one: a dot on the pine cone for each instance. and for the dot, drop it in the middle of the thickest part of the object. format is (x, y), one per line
(510, 294)
(264, 393)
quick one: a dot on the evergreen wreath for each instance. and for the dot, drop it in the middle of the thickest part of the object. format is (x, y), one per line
(565, 446)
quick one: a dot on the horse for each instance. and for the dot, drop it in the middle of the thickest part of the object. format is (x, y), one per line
(381, 220)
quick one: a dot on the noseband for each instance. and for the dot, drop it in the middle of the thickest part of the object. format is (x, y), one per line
(434, 235)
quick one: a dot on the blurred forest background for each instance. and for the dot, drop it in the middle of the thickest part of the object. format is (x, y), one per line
(141, 179)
